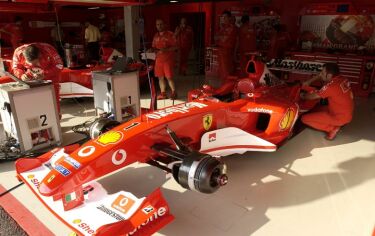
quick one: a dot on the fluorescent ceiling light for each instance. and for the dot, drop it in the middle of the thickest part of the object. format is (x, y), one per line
(173, 1)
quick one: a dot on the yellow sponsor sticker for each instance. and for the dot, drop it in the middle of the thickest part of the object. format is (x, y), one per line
(77, 221)
(109, 137)
(288, 119)
(51, 178)
(30, 176)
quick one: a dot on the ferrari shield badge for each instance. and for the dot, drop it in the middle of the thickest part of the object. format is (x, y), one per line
(207, 121)
(109, 137)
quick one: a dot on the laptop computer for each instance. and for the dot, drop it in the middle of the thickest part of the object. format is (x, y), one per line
(120, 65)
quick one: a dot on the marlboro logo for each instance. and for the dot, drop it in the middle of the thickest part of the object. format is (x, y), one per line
(212, 137)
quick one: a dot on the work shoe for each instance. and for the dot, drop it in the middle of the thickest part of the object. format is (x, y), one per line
(331, 135)
(161, 96)
(173, 95)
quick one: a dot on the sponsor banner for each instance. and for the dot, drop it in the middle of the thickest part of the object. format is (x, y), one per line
(183, 108)
(295, 65)
(346, 32)
(260, 110)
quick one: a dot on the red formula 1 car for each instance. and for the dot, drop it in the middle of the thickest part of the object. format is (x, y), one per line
(77, 82)
(184, 140)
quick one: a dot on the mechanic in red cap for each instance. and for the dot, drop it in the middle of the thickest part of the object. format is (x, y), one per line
(340, 107)
(38, 61)
(226, 41)
(184, 36)
(246, 42)
(165, 46)
(14, 32)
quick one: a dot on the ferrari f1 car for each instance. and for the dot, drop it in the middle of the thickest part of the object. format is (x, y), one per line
(77, 82)
(185, 140)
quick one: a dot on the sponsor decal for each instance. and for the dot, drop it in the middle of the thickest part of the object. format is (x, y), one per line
(131, 126)
(62, 170)
(295, 65)
(118, 157)
(83, 226)
(207, 121)
(30, 176)
(345, 86)
(70, 197)
(77, 221)
(34, 181)
(157, 214)
(122, 203)
(72, 162)
(182, 108)
(260, 109)
(212, 137)
(86, 151)
(148, 209)
(288, 119)
(110, 137)
(51, 178)
(110, 212)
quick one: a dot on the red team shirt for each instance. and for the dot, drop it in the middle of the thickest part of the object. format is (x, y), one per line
(227, 36)
(50, 62)
(163, 40)
(246, 39)
(340, 98)
(185, 37)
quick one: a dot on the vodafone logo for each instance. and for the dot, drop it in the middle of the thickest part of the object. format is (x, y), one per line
(86, 151)
(119, 157)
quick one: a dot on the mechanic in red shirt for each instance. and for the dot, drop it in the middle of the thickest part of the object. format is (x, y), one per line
(184, 36)
(38, 61)
(246, 42)
(14, 32)
(340, 102)
(226, 42)
(165, 46)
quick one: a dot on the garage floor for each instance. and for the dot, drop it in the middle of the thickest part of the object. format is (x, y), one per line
(310, 186)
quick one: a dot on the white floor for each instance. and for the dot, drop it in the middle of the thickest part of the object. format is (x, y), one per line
(310, 186)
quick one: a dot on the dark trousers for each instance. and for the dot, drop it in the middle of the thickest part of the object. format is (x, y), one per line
(93, 51)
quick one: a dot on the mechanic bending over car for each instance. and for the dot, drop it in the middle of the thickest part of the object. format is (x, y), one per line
(38, 61)
(340, 107)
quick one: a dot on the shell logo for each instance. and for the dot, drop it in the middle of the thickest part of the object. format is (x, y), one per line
(288, 119)
(109, 137)
(77, 221)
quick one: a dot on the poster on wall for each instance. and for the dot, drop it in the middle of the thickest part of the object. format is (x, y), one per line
(346, 32)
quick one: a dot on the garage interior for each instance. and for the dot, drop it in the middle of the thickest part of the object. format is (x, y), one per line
(309, 185)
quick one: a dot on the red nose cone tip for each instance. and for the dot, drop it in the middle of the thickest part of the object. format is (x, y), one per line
(223, 180)
(45, 190)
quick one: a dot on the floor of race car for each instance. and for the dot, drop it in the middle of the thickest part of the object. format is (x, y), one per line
(310, 186)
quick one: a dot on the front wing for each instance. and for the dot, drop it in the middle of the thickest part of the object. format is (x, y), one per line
(120, 213)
